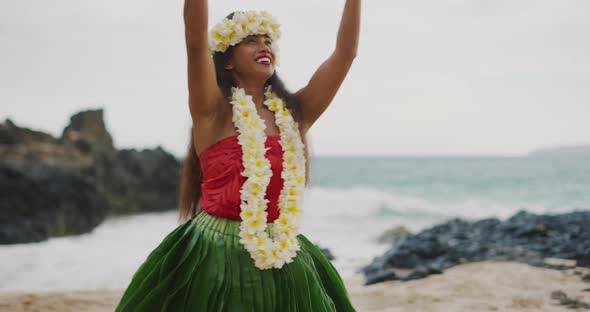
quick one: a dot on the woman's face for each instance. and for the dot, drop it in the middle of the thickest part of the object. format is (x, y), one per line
(253, 57)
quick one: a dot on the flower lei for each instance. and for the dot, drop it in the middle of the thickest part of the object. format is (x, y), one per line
(275, 251)
(232, 31)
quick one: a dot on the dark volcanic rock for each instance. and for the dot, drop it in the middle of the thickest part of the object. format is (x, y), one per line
(45, 203)
(78, 172)
(88, 132)
(327, 253)
(584, 261)
(10, 134)
(394, 236)
(571, 303)
(145, 180)
(524, 237)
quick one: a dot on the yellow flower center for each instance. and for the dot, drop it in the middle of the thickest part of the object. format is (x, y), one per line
(264, 249)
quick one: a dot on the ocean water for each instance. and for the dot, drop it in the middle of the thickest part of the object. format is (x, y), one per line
(350, 201)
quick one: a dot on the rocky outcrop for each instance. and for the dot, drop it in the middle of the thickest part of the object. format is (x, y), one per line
(47, 202)
(393, 236)
(88, 132)
(571, 303)
(23, 148)
(524, 237)
(142, 180)
(76, 180)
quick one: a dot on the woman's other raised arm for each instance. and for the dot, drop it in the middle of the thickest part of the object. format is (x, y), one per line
(202, 82)
(325, 82)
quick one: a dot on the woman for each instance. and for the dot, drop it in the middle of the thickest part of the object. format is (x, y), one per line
(238, 247)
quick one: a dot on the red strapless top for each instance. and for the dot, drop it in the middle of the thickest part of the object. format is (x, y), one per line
(221, 164)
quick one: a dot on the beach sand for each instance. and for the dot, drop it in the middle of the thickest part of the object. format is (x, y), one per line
(479, 286)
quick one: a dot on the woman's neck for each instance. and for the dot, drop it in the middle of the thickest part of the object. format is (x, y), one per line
(254, 89)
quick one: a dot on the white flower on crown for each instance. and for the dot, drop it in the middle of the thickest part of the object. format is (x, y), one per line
(232, 31)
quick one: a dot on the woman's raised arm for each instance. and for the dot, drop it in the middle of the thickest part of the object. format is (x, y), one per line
(202, 82)
(325, 82)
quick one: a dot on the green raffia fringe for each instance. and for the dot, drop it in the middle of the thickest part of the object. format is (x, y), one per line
(201, 266)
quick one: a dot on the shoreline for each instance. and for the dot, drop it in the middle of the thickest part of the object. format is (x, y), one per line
(475, 286)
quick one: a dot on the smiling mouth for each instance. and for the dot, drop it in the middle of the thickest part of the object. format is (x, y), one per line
(264, 60)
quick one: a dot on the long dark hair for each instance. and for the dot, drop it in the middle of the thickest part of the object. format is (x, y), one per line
(191, 175)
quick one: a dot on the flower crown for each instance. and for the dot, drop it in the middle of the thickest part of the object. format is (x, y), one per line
(232, 31)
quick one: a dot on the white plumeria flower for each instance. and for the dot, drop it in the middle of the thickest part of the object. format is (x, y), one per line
(282, 248)
(232, 31)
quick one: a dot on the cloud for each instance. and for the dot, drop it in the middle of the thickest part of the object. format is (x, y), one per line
(431, 76)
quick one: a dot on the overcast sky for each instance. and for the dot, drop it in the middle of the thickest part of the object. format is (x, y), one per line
(432, 77)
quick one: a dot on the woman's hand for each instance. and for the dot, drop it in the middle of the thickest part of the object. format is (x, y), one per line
(195, 21)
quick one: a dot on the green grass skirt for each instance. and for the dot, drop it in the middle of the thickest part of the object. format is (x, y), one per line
(201, 266)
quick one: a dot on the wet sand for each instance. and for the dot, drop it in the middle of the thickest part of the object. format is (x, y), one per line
(479, 286)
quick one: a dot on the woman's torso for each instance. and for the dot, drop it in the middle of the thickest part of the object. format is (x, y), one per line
(221, 165)
(207, 133)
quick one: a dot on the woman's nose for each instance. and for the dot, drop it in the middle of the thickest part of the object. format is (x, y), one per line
(265, 48)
